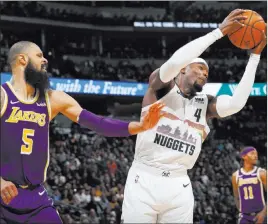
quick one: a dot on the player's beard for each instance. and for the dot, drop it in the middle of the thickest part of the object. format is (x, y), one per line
(197, 87)
(37, 79)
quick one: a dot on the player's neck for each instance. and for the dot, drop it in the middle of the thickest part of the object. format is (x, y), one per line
(185, 89)
(20, 86)
(248, 167)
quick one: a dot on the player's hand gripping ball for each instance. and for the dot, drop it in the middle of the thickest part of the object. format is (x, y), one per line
(153, 116)
(250, 34)
(233, 22)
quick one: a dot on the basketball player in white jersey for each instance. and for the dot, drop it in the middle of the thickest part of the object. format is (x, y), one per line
(158, 189)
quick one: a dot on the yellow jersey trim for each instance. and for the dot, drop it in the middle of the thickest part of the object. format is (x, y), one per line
(48, 106)
(22, 100)
(48, 158)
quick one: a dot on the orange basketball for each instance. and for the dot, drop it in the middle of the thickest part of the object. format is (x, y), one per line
(250, 35)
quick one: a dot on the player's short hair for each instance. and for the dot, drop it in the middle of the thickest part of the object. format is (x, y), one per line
(18, 48)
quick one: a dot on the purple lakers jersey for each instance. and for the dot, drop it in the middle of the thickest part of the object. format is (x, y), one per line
(24, 138)
(250, 189)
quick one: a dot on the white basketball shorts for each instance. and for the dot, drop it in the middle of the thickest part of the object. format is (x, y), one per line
(153, 195)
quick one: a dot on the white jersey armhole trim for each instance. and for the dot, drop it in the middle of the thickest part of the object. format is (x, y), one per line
(258, 174)
(48, 105)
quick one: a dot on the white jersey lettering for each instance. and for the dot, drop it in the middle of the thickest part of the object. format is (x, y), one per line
(175, 142)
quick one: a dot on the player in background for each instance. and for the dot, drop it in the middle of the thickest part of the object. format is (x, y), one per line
(158, 189)
(27, 107)
(248, 183)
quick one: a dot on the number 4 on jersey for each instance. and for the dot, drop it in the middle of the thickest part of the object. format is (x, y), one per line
(197, 114)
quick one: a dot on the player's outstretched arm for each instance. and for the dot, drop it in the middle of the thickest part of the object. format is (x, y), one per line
(63, 103)
(224, 105)
(193, 49)
(235, 189)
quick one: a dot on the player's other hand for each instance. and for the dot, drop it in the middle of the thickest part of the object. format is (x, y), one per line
(153, 116)
(233, 22)
(150, 119)
(259, 218)
(8, 191)
(262, 44)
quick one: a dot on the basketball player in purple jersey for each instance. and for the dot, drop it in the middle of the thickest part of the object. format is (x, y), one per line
(248, 183)
(27, 107)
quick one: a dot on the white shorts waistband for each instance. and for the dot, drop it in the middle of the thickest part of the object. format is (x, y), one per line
(157, 171)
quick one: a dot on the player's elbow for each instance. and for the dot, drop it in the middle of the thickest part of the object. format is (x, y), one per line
(229, 111)
(236, 107)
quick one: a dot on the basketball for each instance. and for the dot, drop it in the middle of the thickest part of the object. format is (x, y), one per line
(250, 35)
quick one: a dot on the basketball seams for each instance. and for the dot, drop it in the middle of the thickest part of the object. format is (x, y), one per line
(252, 36)
(235, 31)
(255, 23)
(252, 27)
(257, 29)
(246, 29)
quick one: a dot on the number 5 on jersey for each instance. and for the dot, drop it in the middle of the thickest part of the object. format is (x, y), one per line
(28, 141)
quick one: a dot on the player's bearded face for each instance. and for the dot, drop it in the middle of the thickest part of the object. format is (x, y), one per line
(37, 79)
(197, 77)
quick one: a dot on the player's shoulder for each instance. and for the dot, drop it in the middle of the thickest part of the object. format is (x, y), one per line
(156, 83)
(235, 173)
(55, 93)
(262, 174)
(58, 97)
(209, 97)
(262, 170)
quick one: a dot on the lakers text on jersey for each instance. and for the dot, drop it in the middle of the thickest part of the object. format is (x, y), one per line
(24, 138)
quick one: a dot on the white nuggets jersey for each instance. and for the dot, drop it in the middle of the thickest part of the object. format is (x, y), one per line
(175, 142)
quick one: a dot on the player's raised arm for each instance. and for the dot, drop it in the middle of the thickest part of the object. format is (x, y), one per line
(183, 56)
(235, 189)
(65, 104)
(224, 105)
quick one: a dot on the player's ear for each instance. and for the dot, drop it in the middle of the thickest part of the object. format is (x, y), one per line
(23, 59)
(183, 71)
